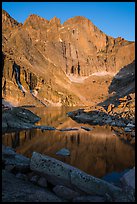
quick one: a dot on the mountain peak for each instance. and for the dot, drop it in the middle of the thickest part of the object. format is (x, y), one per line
(55, 20)
(77, 20)
(8, 21)
(34, 19)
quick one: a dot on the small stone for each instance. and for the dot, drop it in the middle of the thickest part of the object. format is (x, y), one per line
(21, 176)
(86, 128)
(65, 192)
(9, 168)
(130, 125)
(110, 107)
(127, 129)
(34, 179)
(63, 152)
(42, 182)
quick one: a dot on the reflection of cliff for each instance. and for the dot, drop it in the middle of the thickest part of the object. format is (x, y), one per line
(97, 152)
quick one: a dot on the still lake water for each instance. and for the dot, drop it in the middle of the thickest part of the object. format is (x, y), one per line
(98, 152)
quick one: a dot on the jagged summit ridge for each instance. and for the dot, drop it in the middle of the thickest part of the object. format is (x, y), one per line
(50, 55)
(7, 20)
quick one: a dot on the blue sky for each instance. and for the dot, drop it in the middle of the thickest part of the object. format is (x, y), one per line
(113, 18)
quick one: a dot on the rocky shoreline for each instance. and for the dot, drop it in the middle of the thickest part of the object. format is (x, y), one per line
(117, 115)
(45, 179)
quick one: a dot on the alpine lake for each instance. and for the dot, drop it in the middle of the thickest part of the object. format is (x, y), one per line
(98, 152)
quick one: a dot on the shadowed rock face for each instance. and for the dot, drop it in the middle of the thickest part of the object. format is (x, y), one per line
(18, 118)
(47, 53)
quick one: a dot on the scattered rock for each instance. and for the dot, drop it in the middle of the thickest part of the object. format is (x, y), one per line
(17, 190)
(127, 129)
(42, 182)
(65, 192)
(110, 107)
(34, 179)
(21, 176)
(130, 125)
(124, 99)
(63, 152)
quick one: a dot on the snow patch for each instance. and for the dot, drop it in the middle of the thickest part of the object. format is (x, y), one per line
(103, 73)
(60, 40)
(77, 79)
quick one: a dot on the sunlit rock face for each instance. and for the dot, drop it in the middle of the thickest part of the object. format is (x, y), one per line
(51, 57)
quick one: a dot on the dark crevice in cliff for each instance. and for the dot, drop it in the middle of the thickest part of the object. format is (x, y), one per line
(16, 73)
(78, 68)
(38, 99)
(32, 81)
(4, 88)
(3, 58)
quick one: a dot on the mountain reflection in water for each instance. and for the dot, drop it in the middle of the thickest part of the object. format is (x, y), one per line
(97, 152)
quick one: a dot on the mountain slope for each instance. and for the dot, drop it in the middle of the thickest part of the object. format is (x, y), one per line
(45, 62)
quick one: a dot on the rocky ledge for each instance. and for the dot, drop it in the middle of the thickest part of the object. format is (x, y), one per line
(45, 179)
(120, 115)
(16, 118)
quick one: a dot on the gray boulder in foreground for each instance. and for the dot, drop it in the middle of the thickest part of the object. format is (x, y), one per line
(59, 173)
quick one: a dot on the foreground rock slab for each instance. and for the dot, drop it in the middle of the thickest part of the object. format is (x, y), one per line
(16, 190)
(59, 173)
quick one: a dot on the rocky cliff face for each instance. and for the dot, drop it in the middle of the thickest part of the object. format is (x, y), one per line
(43, 60)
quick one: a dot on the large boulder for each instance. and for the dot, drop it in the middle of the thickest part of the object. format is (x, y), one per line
(13, 161)
(18, 118)
(59, 173)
